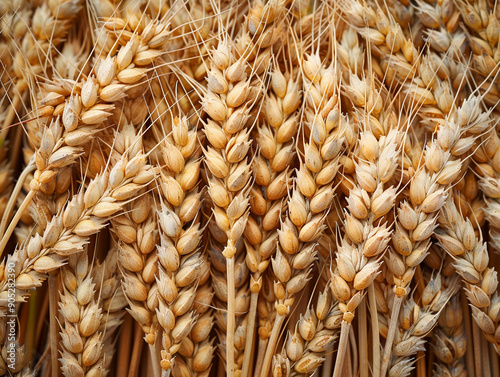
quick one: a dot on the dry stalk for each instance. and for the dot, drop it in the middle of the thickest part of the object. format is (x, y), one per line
(5, 177)
(219, 284)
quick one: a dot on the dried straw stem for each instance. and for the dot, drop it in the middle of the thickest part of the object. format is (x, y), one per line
(375, 331)
(13, 223)
(53, 326)
(266, 364)
(231, 319)
(386, 359)
(249, 345)
(341, 349)
(12, 199)
(363, 339)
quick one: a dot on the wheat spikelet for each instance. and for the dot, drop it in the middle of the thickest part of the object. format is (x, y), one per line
(5, 173)
(442, 16)
(428, 192)
(81, 352)
(220, 288)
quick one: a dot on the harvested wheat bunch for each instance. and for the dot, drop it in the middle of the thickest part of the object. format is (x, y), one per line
(262, 188)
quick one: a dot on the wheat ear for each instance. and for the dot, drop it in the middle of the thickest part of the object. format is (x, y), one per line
(73, 114)
(416, 221)
(84, 215)
(228, 103)
(275, 141)
(81, 352)
(313, 336)
(417, 320)
(449, 341)
(456, 235)
(183, 267)
(327, 138)
(366, 235)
